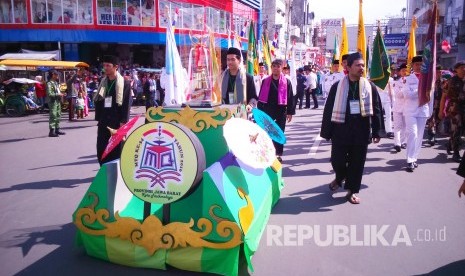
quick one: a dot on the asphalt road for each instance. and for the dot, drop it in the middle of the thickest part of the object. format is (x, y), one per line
(407, 223)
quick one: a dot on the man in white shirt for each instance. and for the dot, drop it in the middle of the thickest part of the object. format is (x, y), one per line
(311, 88)
(259, 78)
(386, 100)
(415, 116)
(398, 108)
(331, 78)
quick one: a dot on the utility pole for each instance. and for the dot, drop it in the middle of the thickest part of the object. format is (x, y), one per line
(461, 36)
(288, 35)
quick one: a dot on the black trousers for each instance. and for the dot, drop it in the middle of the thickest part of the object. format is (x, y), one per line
(71, 108)
(348, 162)
(277, 113)
(103, 135)
(315, 100)
(299, 97)
(307, 98)
(281, 121)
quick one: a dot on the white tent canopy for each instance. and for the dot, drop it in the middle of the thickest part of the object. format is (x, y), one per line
(34, 56)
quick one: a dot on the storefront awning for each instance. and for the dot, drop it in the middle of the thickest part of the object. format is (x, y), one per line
(43, 63)
(33, 56)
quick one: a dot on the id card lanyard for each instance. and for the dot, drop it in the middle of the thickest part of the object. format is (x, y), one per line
(108, 99)
(354, 104)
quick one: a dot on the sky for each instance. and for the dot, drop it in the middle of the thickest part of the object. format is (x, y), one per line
(372, 9)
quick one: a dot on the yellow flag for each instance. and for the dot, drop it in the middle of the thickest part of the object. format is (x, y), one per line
(344, 47)
(361, 39)
(412, 49)
(216, 70)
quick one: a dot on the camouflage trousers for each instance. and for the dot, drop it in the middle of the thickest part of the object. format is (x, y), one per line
(455, 134)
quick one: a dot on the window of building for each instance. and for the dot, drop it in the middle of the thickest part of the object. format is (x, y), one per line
(187, 16)
(13, 11)
(239, 22)
(198, 13)
(141, 12)
(170, 11)
(125, 12)
(213, 19)
(147, 12)
(61, 11)
(225, 22)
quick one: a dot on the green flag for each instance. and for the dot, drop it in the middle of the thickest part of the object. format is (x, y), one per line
(252, 66)
(336, 49)
(380, 68)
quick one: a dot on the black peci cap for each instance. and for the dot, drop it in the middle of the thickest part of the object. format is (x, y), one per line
(110, 59)
(234, 51)
(458, 64)
(417, 59)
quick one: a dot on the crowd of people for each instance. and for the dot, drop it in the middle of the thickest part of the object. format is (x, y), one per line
(356, 112)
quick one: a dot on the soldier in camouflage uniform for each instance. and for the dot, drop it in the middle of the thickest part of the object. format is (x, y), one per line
(432, 123)
(54, 104)
(455, 109)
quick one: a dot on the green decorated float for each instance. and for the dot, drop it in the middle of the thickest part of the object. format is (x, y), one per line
(180, 196)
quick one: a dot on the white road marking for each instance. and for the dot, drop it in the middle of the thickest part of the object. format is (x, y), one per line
(315, 146)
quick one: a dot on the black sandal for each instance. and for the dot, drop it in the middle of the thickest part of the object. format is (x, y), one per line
(352, 198)
(334, 185)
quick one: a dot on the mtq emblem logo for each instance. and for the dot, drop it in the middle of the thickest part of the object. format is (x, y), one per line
(158, 161)
(161, 162)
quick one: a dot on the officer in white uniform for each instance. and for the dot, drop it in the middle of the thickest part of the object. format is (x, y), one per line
(386, 96)
(398, 108)
(415, 116)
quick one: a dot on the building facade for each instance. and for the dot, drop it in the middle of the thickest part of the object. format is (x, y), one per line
(450, 27)
(135, 30)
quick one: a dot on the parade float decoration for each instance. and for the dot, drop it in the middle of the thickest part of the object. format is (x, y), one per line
(199, 72)
(193, 190)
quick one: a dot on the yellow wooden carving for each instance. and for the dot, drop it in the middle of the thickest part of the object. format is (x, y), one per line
(196, 121)
(153, 235)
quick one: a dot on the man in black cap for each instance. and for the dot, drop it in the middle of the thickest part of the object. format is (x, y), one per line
(237, 86)
(455, 109)
(415, 116)
(112, 106)
(277, 100)
(352, 119)
(55, 98)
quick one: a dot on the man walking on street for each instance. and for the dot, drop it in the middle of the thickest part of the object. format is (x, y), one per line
(112, 106)
(415, 116)
(300, 88)
(277, 100)
(311, 88)
(455, 109)
(386, 100)
(352, 119)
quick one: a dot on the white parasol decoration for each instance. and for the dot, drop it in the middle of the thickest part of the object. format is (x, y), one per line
(249, 143)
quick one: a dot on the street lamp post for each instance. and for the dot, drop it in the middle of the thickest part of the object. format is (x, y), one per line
(461, 36)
